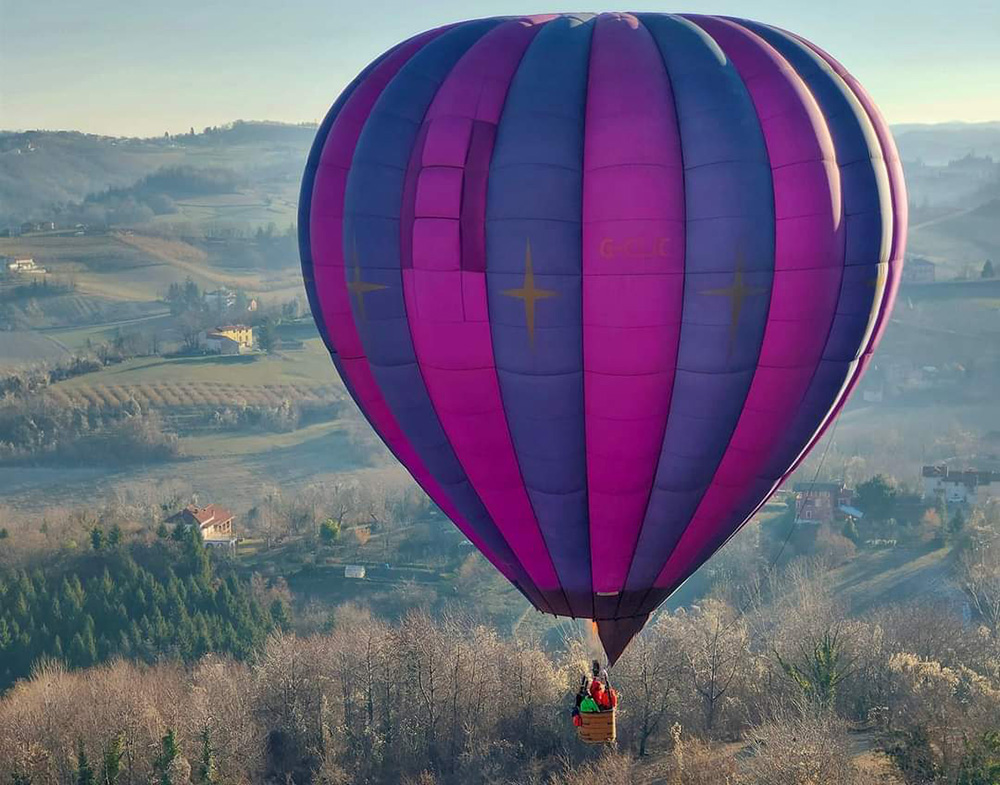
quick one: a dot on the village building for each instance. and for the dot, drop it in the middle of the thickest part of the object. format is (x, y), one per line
(821, 502)
(215, 523)
(229, 339)
(23, 266)
(966, 486)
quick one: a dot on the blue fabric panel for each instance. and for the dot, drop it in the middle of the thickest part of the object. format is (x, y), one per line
(305, 205)
(730, 232)
(535, 197)
(865, 197)
(863, 179)
(372, 208)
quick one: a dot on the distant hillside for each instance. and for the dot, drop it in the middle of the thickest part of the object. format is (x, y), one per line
(40, 169)
(940, 143)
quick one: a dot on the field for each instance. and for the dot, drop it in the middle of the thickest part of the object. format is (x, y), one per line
(21, 347)
(308, 366)
(120, 266)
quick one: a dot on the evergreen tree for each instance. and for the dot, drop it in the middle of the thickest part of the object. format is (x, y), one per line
(169, 752)
(279, 615)
(206, 764)
(114, 536)
(162, 531)
(113, 755)
(329, 531)
(97, 538)
(84, 772)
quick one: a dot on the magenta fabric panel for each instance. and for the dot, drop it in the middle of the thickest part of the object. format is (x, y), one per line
(446, 296)
(809, 260)
(898, 216)
(633, 283)
(897, 188)
(327, 245)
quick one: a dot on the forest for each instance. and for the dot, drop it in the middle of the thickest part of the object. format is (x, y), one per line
(144, 602)
(769, 678)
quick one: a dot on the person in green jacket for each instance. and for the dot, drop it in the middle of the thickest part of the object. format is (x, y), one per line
(588, 704)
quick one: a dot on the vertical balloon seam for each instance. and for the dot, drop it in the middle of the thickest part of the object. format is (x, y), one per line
(305, 203)
(641, 604)
(859, 116)
(469, 528)
(713, 545)
(434, 492)
(898, 199)
(897, 188)
(305, 221)
(518, 87)
(846, 196)
(652, 484)
(897, 184)
(407, 225)
(654, 590)
(694, 540)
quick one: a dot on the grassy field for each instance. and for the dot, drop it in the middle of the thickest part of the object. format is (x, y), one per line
(222, 445)
(25, 347)
(309, 366)
(141, 268)
(893, 575)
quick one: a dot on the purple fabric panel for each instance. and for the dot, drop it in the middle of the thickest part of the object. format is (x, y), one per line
(327, 246)
(534, 288)
(407, 213)
(868, 235)
(897, 188)
(729, 260)
(809, 258)
(893, 269)
(473, 220)
(446, 300)
(633, 283)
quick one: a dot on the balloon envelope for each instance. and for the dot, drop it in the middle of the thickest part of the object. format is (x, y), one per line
(599, 282)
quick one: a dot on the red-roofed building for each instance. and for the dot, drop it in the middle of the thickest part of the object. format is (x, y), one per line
(213, 521)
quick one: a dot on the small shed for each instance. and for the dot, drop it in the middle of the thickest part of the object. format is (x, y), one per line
(354, 571)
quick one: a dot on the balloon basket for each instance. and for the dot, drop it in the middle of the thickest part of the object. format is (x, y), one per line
(598, 727)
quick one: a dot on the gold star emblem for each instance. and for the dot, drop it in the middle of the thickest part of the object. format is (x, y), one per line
(359, 288)
(529, 293)
(737, 293)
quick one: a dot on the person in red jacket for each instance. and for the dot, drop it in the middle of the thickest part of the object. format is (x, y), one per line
(601, 691)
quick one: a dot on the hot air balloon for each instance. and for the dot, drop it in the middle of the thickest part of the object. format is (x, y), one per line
(600, 282)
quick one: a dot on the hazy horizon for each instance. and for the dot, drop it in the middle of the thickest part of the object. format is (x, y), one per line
(115, 69)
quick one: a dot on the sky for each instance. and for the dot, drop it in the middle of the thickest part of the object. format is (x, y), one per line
(139, 68)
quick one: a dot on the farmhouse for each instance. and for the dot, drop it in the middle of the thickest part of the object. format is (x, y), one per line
(230, 339)
(967, 486)
(213, 521)
(24, 266)
(821, 501)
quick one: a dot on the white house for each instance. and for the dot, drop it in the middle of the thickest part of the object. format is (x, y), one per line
(967, 486)
(24, 266)
(354, 571)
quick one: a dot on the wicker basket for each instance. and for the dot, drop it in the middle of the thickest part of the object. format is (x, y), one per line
(599, 727)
